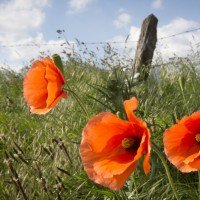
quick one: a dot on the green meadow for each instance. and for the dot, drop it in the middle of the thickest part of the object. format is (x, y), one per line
(39, 155)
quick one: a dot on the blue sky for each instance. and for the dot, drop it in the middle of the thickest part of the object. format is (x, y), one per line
(95, 22)
(36, 21)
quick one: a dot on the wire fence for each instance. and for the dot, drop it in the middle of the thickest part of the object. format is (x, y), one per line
(92, 43)
(75, 49)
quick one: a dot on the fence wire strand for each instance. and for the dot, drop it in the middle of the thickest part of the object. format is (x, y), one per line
(91, 43)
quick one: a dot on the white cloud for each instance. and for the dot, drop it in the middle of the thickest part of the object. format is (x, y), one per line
(21, 16)
(20, 21)
(123, 20)
(180, 45)
(156, 4)
(129, 41)
(32, 48)
(78, 5)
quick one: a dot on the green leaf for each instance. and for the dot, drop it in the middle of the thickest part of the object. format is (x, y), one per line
(58, 61)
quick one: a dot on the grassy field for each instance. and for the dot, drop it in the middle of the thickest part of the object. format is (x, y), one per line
(39, 155)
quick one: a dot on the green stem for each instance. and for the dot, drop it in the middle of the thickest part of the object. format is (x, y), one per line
(171, 182)
(77, 98)
(199, 183)
(136, 191)
(182, 91)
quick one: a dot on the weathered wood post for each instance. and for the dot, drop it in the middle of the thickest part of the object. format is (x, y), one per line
(146, 46)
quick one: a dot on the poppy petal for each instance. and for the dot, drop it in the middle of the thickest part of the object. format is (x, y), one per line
(146, 163)
(192, 122)
(117, 181)
(54, 85)
(180, 144)
(89, 158)
(185, 168)
(195, 164)
(57, 99)
(35, 86)
(111, 147)
(42, 86)
(42, 111)
(130, 106)
(39, 111)
(114, 163)
(100, 129)
(50, 63)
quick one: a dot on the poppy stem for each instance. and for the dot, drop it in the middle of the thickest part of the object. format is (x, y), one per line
(171, 182)
(199, 183)
(77, 98)
(136, 191)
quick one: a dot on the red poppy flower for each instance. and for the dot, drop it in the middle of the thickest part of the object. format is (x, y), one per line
(42, 86)
(111, 147)
(182, 143)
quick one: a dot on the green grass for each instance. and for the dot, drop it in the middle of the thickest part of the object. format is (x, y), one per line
(39, 155)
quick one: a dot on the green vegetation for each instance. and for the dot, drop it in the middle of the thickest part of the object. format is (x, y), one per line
(39, 155)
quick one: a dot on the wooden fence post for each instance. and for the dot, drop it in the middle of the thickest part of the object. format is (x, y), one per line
(146, 46)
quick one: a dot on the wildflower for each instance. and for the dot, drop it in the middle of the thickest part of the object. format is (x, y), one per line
(111, 147)
(42, 86)
(182, 143)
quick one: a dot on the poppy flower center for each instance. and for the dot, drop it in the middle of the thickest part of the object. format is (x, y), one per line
(197, 137)
(127, 143)
(131, 143)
